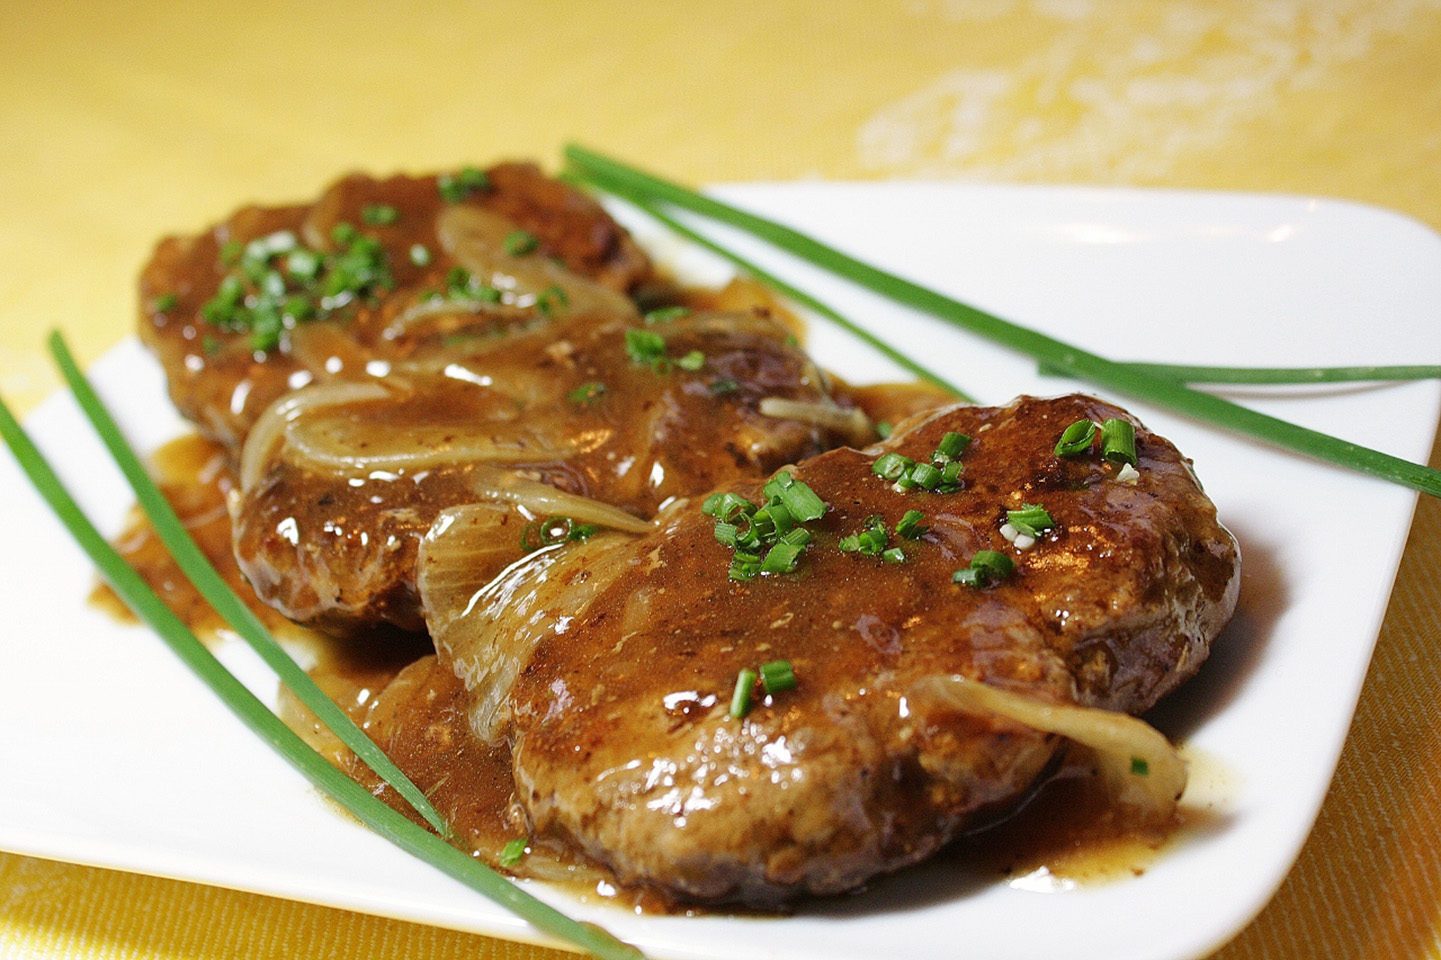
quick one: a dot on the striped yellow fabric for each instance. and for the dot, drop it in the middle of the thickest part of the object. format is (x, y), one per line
(122, 121)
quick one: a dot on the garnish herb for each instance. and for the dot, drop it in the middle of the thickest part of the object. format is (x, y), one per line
(650, 192)
(1140, 767)
(777, 676)
(910, 526)
(379, 214)
(513, 852)
(768, 539)
(520, 242)
(741, 695)
(724, 386)
(275, 283)
(1076, 439)
(420, 255)
(644, 346)
(665, 314)
(455, 187)
(987, 567)
(1118, 441)
(1031, 520)
(164, 303)
(870, 542)
(587, 393)
(691, 361)
(884, 428)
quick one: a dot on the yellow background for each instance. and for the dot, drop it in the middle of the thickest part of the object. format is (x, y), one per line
(120, 122)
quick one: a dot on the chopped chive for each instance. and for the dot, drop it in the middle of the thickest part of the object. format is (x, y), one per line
(164, 303)
(644, 346)
(925, 476)
(1140, 767)
(1032, 520)
(893, 555)
(587, 393)
(724, 386)
(1118, 441)
(379, 214)
(891, 466)
(691, 361)
(741, 695)
(513, 852)
(910, 526)
(781, 558)
(987, 567)
(520, 242)
(456, 187)
(665, 314)
(884, 428)
(777, 676)
(1076, 439)
(952, 445)
(420, 255)
(803, 502)
(649, 191)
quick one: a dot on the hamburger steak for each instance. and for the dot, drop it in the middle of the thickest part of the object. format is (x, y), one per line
(609, 666)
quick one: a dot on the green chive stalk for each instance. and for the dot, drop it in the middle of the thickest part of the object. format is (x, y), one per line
(377, 815)
(1264, 376)
(615, 177)
(212, 586)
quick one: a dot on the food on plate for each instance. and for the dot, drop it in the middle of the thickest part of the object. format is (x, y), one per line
(609, 667)
(694, 627)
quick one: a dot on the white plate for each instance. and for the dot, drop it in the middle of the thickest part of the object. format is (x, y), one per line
(113, 755)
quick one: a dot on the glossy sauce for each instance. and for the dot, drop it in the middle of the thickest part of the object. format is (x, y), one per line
(1067, 834)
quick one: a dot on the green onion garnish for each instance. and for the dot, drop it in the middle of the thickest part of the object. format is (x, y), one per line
(1184, 373)
(1076, 439)
(644, 203)
(724, 386)
(389, 823)
(520, 242)
(644, 346)
(1118, 441)
(952, 445)
(741, 695)
(420, 255)
(630, 184)
(777, 676)
(1031, 520)
(164, 303)
(513, 852)
(987, 567)
(691, 361)
(379, 214)
(457, 186)
(893, 555)
(884, 428)
(587, 393)
(891, 466)
(1140, 767)
(665, 314)
(909, 526)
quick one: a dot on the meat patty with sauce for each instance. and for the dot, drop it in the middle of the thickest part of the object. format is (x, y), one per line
(609, 665)
(339, 482)
(276, 297)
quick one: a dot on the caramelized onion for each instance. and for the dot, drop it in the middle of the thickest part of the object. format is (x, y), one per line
(476, 238)
(486, 628)
(543, 500)
(851, 423)
(271, 425)
(1141, 767)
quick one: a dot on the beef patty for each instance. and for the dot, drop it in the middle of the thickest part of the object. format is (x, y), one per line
(610, 666)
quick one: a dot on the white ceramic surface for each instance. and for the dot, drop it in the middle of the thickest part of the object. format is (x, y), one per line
(113, 755)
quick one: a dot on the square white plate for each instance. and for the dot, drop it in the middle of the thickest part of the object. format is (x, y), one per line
(113, 755)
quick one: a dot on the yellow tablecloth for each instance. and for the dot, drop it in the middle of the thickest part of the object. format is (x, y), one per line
(123, 121)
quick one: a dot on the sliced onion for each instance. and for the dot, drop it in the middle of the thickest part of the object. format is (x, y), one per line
(543, 500)
(1143, 770)
(356, 446)
(271, 425)
(851, 423)
(475, 237)
(487, 628)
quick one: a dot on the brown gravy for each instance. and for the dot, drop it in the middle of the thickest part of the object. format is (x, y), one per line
(1068, 834)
